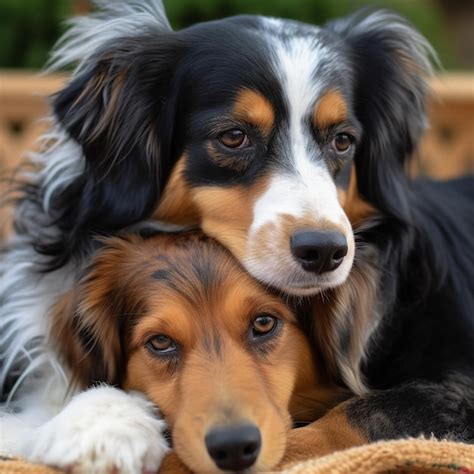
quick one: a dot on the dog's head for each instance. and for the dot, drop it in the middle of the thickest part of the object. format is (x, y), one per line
(276, 137)
(178, 318)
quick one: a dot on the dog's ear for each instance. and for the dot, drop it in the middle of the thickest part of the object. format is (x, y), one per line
(392, 62)
(121, 112)
(119, 107)
(90, 324)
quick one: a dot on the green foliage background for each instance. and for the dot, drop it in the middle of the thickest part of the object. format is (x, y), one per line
(29, 28)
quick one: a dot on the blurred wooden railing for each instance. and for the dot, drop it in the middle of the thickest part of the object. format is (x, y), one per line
(447, 149)
(24, 102)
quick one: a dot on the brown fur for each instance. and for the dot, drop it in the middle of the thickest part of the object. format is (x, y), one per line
(93, 88)
(227, 213)
(181, 205)
(347, 309)
(99, 82)
(104, 304)
(252, 107)
(116, 90)
(213, 208)
(192, 290)
(355, 206)
(330, 109)
(176, 205)
(332, 432)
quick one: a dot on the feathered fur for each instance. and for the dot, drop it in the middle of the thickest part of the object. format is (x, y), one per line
(140, 133)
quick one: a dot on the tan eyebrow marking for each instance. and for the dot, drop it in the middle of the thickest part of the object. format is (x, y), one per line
(254, 108)
(330, 109)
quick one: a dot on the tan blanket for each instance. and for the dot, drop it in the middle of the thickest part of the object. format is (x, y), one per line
(405, 456)
(412, 455)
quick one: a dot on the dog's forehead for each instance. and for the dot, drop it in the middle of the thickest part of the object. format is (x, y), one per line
(193, 266)
(285, 60)
(203, 275)
(306, 60)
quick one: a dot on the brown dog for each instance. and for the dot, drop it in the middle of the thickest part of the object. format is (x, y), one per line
(177, 318)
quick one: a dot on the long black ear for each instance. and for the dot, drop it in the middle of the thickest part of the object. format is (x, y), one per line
(392, 62)
(120, 111)
(119, 106)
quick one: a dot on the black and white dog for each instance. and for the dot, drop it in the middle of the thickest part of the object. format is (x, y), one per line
(286, 142)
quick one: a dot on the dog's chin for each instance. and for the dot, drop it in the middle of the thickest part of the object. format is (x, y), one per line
(310, 290)
(302, 291)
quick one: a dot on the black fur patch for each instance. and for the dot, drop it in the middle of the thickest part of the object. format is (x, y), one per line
(445, 410)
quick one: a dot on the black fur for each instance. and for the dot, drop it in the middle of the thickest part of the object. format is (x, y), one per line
(444, 409)
(421, 356)
(144, 101)
(162, 82)
(389, 98)
(127, 155)
(420, 360)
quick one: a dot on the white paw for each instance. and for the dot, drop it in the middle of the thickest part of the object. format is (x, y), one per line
(101, 430)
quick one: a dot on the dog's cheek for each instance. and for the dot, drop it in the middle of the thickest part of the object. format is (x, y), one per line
(176, 204)
(356, 208)
(226, 215)
(155, 382)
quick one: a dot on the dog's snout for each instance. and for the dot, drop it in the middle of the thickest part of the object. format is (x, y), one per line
(318, 251)
(234, 448)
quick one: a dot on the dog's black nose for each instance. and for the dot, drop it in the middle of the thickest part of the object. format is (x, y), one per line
(319, 251)
(234, 448)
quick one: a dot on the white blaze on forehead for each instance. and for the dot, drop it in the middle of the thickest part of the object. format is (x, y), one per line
(305, 187)
(297, 52)
(298, 60)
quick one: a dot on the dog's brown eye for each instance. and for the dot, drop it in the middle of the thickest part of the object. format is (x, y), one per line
(342, 142)
(234, 138)
(263, 324)
(161, 344)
